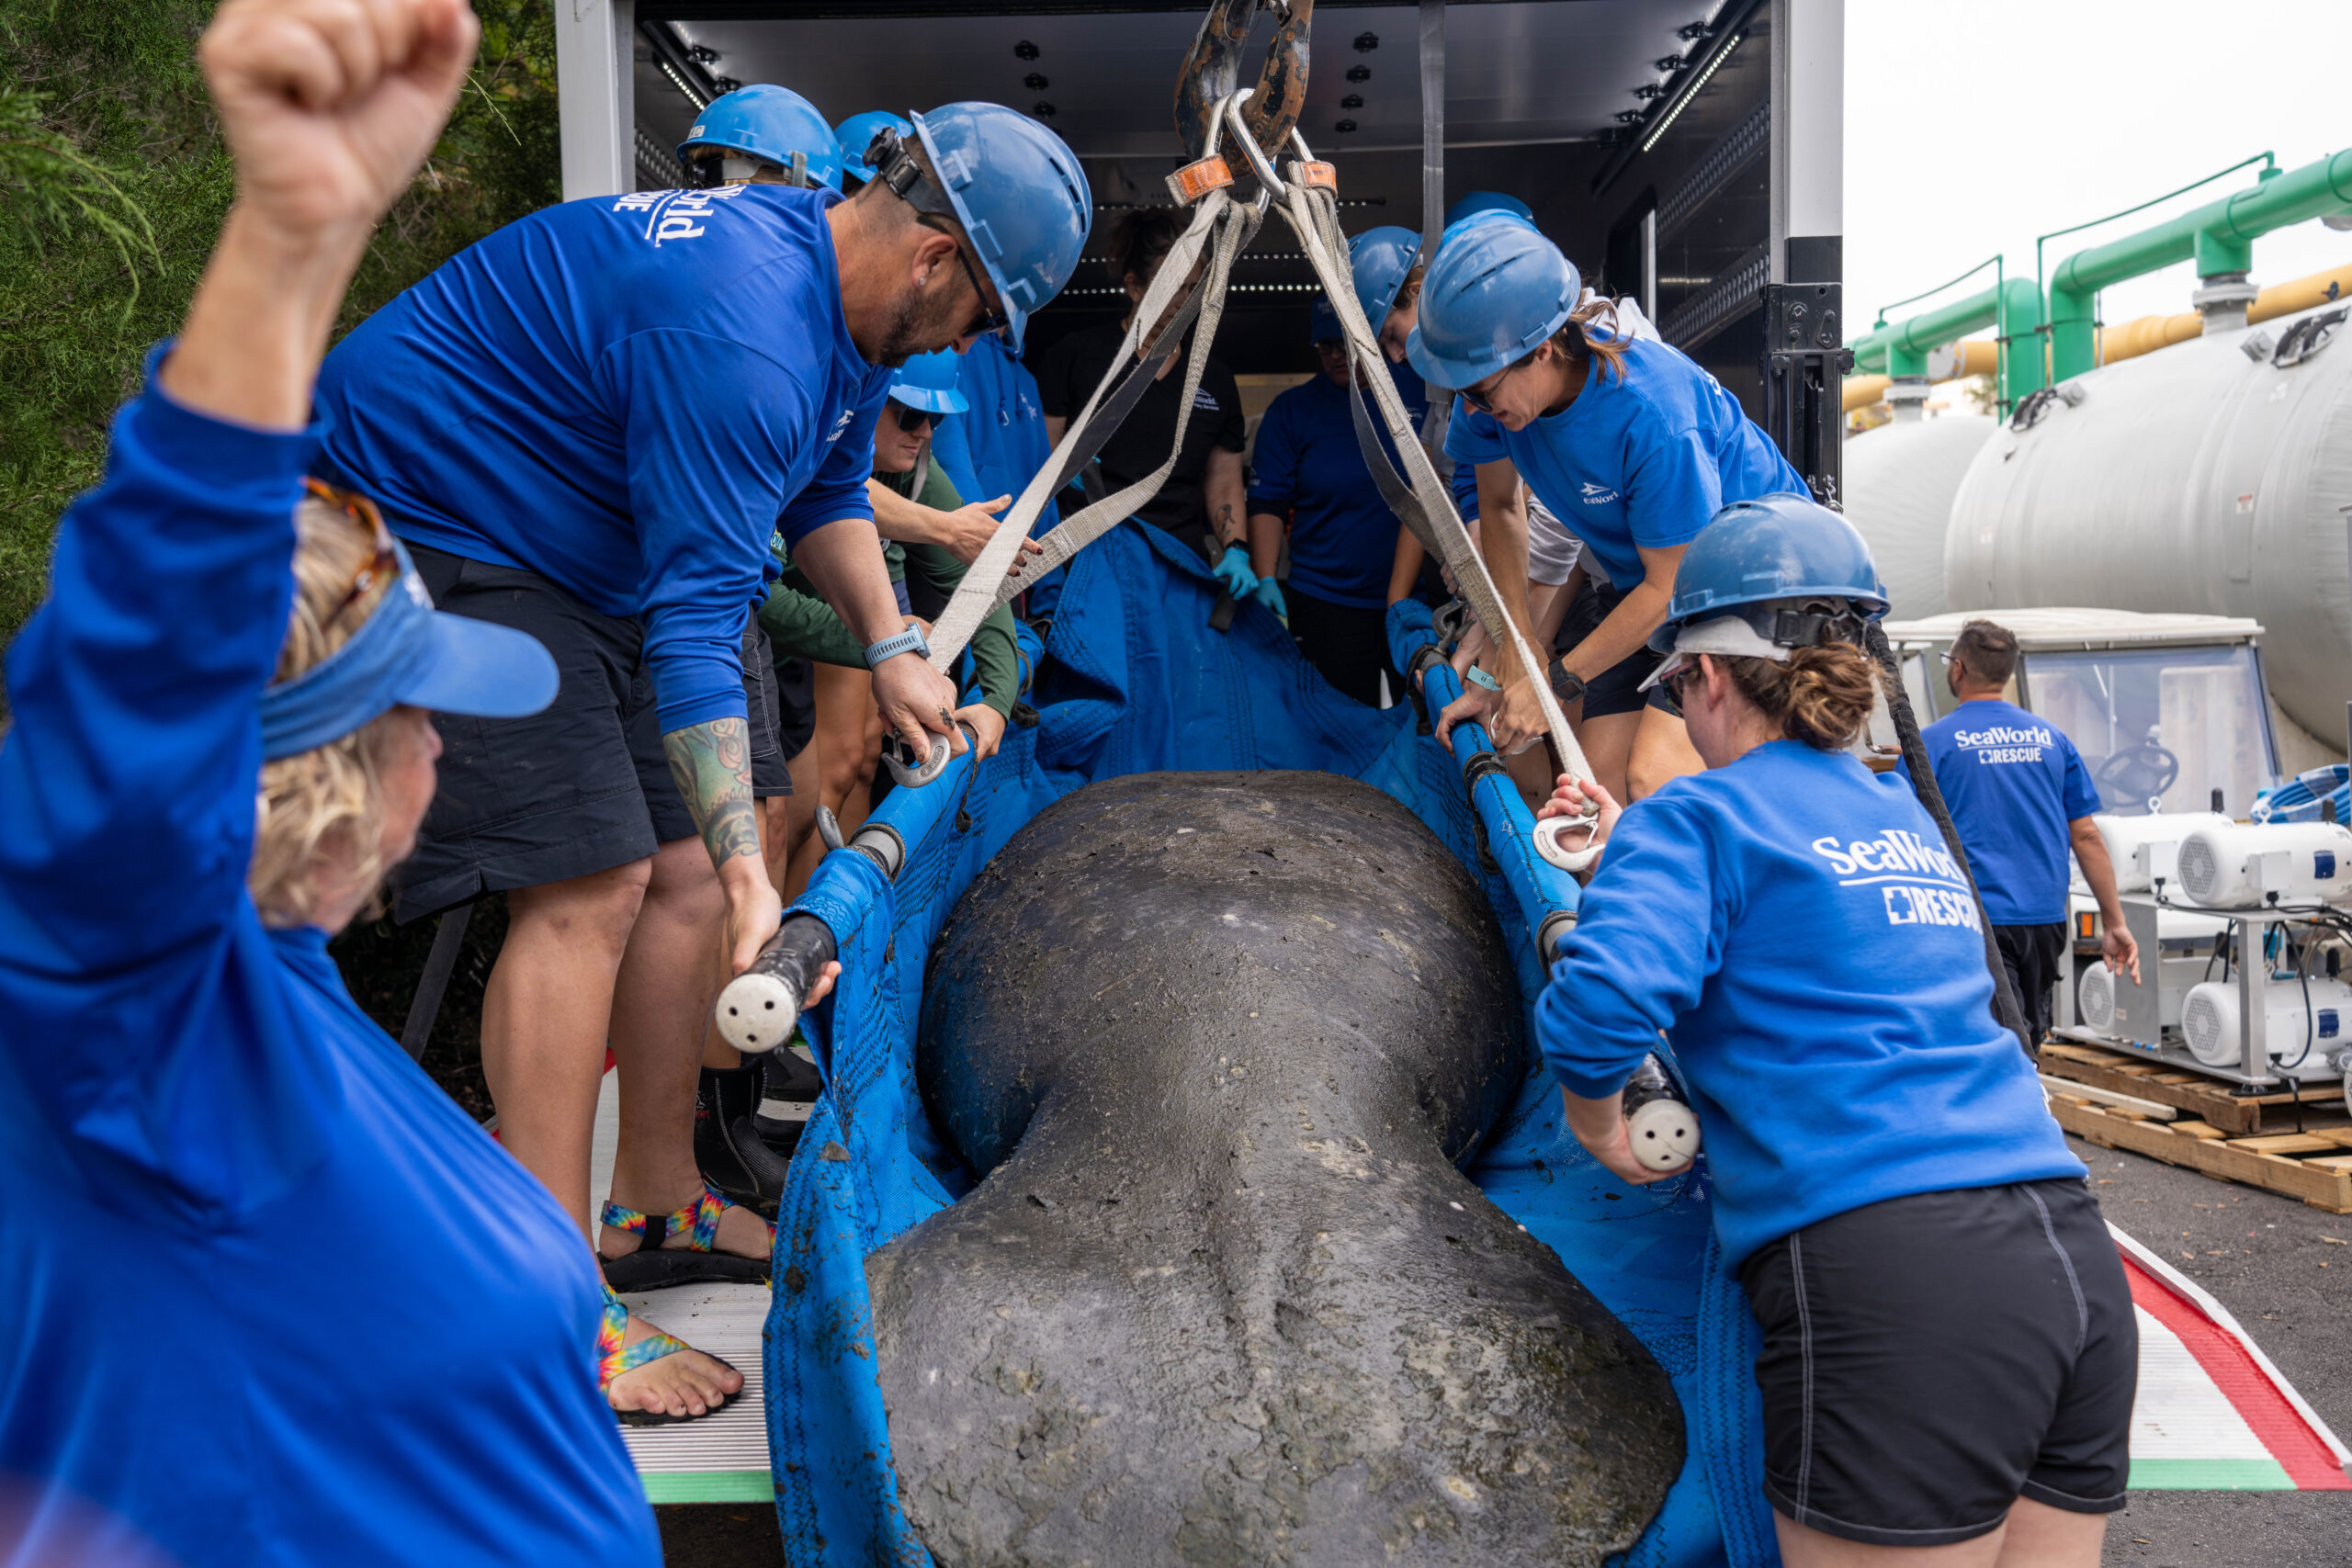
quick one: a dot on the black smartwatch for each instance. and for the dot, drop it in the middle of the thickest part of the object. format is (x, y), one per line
(1566, 686)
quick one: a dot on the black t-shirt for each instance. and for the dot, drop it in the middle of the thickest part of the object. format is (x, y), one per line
(1073, 367)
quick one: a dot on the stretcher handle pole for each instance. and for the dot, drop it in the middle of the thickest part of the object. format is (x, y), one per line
(760, 1008)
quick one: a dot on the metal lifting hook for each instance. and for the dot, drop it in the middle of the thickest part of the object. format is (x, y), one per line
(900, 757)
(1212, 72)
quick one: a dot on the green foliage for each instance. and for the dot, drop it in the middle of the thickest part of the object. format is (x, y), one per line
(113, 184)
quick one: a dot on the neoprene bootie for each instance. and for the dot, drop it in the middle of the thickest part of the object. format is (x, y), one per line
(728, 1145)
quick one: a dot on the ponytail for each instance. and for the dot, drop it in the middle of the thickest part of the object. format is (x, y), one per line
(1821, 696)
(1592, 329)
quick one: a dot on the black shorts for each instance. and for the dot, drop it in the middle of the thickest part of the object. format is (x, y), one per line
(1929, 1360)
(795, 698)
(580, 787)
(1618, 688)
(770, 776)
(2035, 957)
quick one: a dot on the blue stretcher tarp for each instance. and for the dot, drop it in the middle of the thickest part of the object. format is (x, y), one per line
(1135, 681)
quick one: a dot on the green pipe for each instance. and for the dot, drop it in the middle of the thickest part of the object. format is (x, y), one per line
(2014, 306)
(2218, 236)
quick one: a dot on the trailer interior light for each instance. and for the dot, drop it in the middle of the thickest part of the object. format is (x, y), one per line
(1697, 84)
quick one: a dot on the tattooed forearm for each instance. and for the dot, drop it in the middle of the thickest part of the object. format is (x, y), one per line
(1228, 527)
(712, 765)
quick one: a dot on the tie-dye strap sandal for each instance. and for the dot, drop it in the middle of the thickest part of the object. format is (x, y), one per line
(655, 1266)
(615, 1356)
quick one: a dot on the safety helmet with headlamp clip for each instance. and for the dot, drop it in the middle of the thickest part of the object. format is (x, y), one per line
(1766, 576)
(1014, 188)
(855, 136)
(767, 124)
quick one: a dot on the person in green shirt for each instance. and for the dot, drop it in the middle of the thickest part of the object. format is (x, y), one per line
(933, 527)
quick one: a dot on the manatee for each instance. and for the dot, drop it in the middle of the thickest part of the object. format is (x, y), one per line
(1218, 1043)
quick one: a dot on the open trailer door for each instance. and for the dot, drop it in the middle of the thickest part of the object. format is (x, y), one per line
(1684, 153)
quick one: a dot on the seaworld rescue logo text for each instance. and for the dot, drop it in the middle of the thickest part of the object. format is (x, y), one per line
(1919, 881)
(2005, 743)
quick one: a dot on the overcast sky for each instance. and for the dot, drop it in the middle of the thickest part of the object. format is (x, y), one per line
(1973, 125)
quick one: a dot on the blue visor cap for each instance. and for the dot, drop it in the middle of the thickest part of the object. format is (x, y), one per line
(927, 381)
(407, 653)
(1323, 322)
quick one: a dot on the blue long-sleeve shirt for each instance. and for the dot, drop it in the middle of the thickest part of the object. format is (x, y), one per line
(628, 396)
(1796, 928)
(1306, 462)
(272, 1298)
(1644, 459)
(996, 446)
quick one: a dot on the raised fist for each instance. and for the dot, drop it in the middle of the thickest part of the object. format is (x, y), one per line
(330, 106)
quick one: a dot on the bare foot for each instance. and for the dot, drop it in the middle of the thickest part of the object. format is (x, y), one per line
(741, 1233)
(687, 1383)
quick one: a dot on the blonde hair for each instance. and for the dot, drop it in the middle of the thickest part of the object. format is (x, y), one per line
(322, 810)
(1821, 696)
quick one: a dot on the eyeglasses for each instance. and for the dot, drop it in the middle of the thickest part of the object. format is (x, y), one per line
(985, 321)
(914, 421)
(364, 512)
(1484, 400)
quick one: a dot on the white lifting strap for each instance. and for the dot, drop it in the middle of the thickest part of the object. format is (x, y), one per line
(1221, 227)
(1424, 504)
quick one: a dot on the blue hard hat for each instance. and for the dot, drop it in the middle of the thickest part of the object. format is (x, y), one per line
(927, 381)
(1380, 259)
(1488, 201)
(772, 123)
(1764, 553)
(1495, 291)
(1020, 194)
(856, 133)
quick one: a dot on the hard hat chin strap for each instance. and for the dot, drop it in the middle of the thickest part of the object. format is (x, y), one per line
(894, 167)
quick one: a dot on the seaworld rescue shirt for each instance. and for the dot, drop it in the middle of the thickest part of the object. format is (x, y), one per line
(1795, 926)
(273, 1299)
(627, 395)
(1307, 463)
(1647, 457)
(2012, 781)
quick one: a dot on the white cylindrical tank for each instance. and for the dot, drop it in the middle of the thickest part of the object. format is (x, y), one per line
(2195, 478)
(2304, 1037)
(2240, 866)
(1900, 481)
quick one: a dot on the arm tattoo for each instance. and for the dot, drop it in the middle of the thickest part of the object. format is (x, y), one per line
(712, 766)
(1226, 532)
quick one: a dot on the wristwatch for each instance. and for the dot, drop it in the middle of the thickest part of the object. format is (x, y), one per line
(1566, 686)
(908, 641)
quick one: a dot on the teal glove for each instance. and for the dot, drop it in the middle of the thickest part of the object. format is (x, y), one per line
(1270, 593)
(1232, 568)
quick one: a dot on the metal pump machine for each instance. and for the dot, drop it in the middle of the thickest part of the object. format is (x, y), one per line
(2269, 905)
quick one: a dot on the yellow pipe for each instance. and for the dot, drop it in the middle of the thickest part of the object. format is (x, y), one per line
(2145, 334)
(1977, 357)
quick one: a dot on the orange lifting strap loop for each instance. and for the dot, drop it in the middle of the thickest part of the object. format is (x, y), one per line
(1316, 174)
(1193, 181)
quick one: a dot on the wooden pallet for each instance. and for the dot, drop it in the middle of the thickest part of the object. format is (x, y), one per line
(2314, 1164)
(2207, 1098)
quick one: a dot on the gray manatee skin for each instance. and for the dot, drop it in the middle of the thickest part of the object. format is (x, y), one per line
(1216, 1040)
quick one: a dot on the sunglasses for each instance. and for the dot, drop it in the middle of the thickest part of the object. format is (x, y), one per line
(984, 321)
(363, 512)
(914, 421)
(1483, 400)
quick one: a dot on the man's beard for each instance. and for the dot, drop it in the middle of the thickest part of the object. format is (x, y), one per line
(923, 322)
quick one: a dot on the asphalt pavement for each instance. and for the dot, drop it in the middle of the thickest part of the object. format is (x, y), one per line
(2284, 1269)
